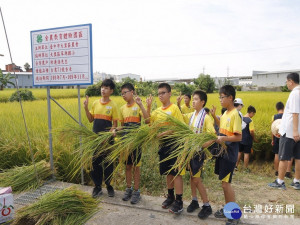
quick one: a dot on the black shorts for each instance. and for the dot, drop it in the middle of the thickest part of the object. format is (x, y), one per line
(196, 163)
(224, 169)
(134, 158)
(165, 166)
(245, 148)
(288, 149)
(275, 148)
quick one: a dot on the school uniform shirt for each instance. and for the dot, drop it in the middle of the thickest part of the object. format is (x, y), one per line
(246, 136)
(208, 125)
(292, 106)
(185, 109)
(230, 124)
(172, 110)
(103, 114)
(130, 114)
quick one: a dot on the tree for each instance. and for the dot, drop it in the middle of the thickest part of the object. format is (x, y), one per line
(27, 67)
(205, 82)
(4, 80)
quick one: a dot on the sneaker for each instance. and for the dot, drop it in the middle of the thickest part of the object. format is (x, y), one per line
(205, 212)
(276, 173)
(168, 202)
(295, 185)
(232, 222)
(110, 191)
(97, 191)
(275, 184)
(193, 206)
(219, 214)
(177, 207)
(127, 194)
(288, 175)
(136, 197)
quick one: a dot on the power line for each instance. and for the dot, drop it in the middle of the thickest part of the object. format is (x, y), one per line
(198, 54)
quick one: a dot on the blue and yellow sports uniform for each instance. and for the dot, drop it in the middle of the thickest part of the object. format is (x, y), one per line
(159, 115)
(104, 114)
(207, 127)
(130, 115)
(230, 124)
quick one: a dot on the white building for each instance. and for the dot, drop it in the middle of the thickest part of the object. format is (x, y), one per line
(118, 78)
(271, 79)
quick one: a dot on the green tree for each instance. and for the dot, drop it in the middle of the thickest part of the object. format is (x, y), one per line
(205, 82)
(184, 88)
(5, 80)
(27, 67)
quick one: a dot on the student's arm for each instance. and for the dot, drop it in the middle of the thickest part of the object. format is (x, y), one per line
(234, 138)
(149, 104)
(179, 101)
(251, 129)
(87, 112)
(209, 128)
(213, 113)
(145, 113)
(295, 127)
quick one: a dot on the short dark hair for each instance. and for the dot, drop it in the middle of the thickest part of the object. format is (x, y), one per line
(165, 85)
(228, 90)
(223, 110)
(128, 86)
(236, 104)
(294, 77)
(108, 83)
(251, 109)
(202, 95)
(188, 95)
(279, 106)
(207, 110)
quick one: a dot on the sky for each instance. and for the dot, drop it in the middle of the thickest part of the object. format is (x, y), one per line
(160, 39)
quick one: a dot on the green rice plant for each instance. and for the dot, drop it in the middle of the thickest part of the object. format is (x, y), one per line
(24, 178)
(88, 145)
(69, 206)
(130, 139)
(185, 143)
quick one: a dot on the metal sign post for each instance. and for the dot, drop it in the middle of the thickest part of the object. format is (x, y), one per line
(79, 120)
(50, 131)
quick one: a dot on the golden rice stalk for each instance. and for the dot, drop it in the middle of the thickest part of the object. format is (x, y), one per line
(24, 178)
(69, 206)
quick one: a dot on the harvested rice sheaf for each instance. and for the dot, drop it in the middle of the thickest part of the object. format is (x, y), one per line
(24, 177)
(69, 206)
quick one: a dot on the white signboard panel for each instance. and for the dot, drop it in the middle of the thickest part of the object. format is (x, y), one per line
(62, 56)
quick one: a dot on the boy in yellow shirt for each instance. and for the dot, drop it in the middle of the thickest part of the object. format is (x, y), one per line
(230, 135)
(104, 116)
(186, 107)
(200, 122)
(164, 94)
(130, 115)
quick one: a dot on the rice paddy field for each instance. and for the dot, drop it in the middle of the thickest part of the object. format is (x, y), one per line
(14, 148)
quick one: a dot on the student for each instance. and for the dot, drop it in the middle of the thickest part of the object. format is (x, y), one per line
(247, 138)
(200, 122)
(172, 179)
(275, 140)
(275, 143)
(230, 135)
(289, 143)
(104, 116)
(216, 118)
(238, 104)
(130, 115)
(185, 108)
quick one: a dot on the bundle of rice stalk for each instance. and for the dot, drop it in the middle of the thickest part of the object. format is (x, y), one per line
(68, 206)
(130, 139)
(185, 143)
(92, 145)
(24, 178)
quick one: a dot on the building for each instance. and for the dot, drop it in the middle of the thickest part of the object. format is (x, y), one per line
(24, 80)
(118, 78)
(271, 79)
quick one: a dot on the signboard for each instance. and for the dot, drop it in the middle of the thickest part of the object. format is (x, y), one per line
(62, 56)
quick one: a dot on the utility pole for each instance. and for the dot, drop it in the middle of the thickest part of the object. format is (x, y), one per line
(227, 71)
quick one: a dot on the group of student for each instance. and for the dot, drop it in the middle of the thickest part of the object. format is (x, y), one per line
(105, 116)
